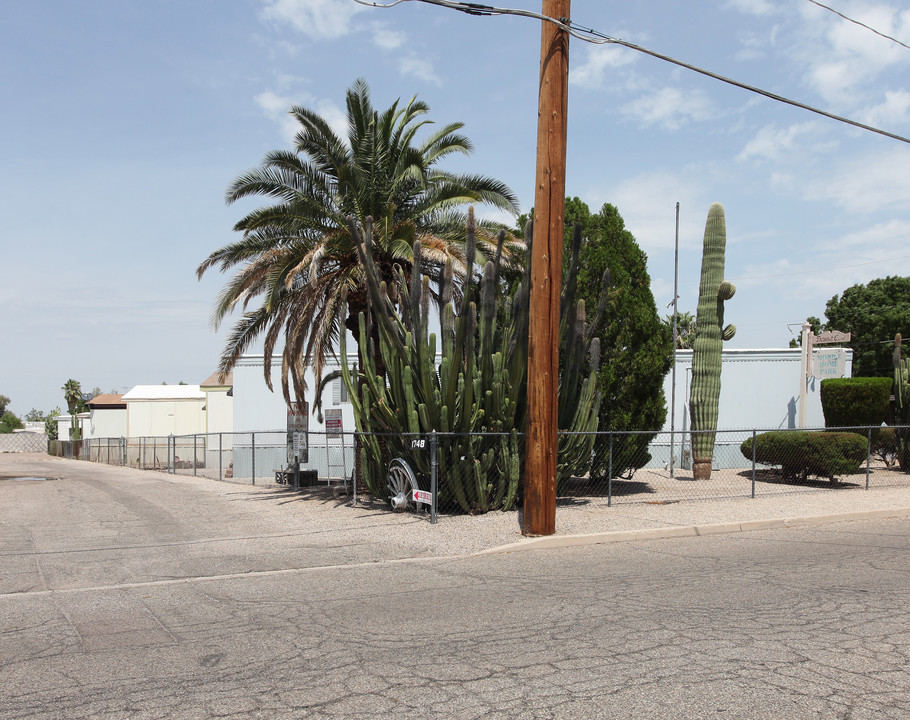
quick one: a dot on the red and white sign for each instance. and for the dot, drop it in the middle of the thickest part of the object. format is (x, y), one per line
(422, 496)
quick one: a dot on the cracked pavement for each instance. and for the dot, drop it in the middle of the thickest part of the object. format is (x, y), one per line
(134, 595)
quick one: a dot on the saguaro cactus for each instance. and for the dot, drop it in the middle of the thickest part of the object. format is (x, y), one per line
(902, 405)
(706, 362)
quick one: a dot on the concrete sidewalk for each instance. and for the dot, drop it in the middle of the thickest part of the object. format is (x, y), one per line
(718, 517)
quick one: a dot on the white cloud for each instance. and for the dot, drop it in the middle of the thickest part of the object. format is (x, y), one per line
(867, 184)
(597, 59)
(420, 68)
(754, 44)
(276, 107)
(895, 110)
(753, 7)
(670, 108)
(319, 19)
(647, 203)
(771, 142)
(845, 57)
(386, 38)
(891, 235)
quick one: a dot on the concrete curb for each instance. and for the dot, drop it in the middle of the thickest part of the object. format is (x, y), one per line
(552, 542)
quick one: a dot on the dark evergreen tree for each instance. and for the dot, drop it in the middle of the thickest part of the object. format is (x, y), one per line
(636, 346)
(874, 314)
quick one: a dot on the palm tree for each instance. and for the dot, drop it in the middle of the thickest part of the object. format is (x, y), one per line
(72, 393)
(685, 329)
(297, 256)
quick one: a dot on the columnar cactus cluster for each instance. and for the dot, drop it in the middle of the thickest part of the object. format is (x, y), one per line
(478, 386)
(902, 405)
(706, 361)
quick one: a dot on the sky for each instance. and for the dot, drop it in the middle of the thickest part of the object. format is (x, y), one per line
(124, 121)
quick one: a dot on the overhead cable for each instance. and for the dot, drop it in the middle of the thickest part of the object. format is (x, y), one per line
(861, 24)
(593, 36)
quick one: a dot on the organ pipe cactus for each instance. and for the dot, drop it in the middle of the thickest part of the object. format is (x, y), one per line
(706, 361)
(902, 405)
(478, 387)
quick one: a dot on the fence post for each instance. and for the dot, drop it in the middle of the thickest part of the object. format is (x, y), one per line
(253, 443)
(868, 455)
(610, 474)
(220, 472)
(194, 455)
(753, 464)
(434, 483)
(354, 472)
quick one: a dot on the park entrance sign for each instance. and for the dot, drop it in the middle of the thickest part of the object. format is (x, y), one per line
(820, 362)
(829, 363)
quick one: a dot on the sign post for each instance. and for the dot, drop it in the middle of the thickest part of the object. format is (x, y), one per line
(819, 368)
(298, 445)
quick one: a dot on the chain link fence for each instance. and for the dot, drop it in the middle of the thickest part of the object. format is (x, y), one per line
(480, 472)
(250, 458)
(460, 473)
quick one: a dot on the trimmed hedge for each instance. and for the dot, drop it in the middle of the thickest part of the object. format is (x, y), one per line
(801, 453)
(855, 402)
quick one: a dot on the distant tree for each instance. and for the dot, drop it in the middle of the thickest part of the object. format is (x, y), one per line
(9, 422)
(816, 328)
(873, 313)
(72, 393)
(4, 402)
(636, 346)
(34, 415)
(685, 329)
(50, 423)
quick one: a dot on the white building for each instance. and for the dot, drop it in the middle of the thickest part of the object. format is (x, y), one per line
(106, 417)
(256, 409)
(162, 410)
(759, 390)
(218, 389)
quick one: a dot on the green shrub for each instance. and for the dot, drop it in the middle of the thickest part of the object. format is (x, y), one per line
(884, 446)
(855, 402)
(801, 453)
(10, 422)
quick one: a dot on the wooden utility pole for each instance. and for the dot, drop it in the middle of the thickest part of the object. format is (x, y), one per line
(546, 275)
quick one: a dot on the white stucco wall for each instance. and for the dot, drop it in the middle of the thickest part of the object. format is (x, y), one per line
(105, 423)
(759, 390)
(257, 408)
(219, 411)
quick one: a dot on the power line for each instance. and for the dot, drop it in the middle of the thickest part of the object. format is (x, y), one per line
(861, 24)
(594, 36)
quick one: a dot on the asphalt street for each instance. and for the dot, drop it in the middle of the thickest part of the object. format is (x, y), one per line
(119, 602)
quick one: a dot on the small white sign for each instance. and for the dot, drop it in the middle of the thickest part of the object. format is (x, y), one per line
(422, 496)
(829, 363)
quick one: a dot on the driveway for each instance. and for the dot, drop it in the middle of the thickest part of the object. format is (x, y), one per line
(138, 595)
